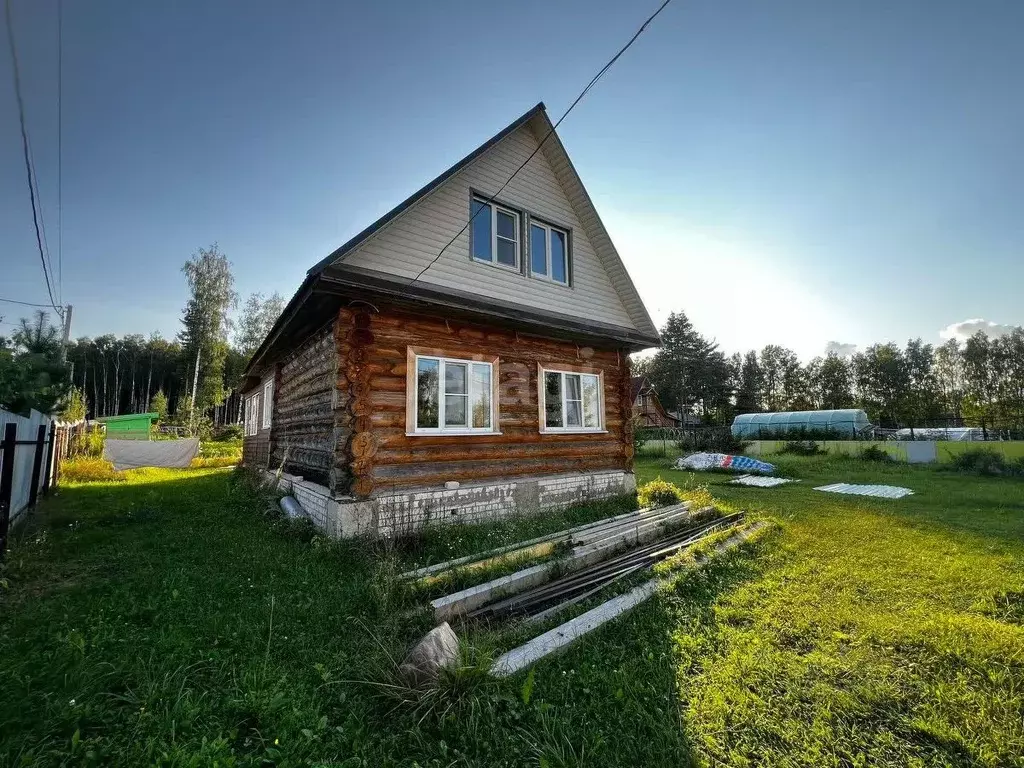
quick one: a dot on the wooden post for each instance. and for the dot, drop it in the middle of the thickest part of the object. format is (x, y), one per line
(6, 482)
(37, 465)
(51, 451)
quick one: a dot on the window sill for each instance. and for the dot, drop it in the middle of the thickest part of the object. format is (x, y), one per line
(574, 431)
(507, 267)
(453, 433)
(549, 280)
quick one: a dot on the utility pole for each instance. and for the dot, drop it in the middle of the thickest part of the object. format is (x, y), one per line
(67, 334)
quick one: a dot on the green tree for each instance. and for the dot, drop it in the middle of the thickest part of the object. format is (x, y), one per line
(205, 325)
(688, 370)
(882, 379)
(31, 374)
(779, 371)
(832, 382)
(74, 407)
(949, 377)
(749, 384)
(257, 318)
(158, 405)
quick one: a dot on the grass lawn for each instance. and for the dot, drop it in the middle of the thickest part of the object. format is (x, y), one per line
(167, 621)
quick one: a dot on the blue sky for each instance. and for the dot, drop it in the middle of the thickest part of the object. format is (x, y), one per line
(790, 171)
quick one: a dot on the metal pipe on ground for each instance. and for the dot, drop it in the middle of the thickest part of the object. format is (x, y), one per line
(466, 600)
(565, 590)
(565, 634)
(558, 536)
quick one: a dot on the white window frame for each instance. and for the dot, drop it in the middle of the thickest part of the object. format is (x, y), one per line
(548, 228)
(493, 261)
(542, 399)
(268, 404)
(251, 426)
(441, 429)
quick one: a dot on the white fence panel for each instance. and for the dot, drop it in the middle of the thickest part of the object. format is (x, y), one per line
(24, 456)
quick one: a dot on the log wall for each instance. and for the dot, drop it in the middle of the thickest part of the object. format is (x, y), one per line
(302, 435)
(381, 457)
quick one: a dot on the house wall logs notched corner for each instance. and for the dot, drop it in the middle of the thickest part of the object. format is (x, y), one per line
(303, 423)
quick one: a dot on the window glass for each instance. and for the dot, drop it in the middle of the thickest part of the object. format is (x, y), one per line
(481, 214)
(553, 399)
(481, 396)
(268, 403)
(506, 253)
(426, 393)
(455, 394)
(506, 225)
(558, 271)
(538, 249)
(507, 239)
(573, 401)
(591, 401)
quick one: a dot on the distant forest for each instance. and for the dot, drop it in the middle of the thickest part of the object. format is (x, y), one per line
(197, 372)
(979, 382)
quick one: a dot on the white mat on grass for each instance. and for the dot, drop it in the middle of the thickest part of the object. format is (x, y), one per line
(759, 481)
(881, 491)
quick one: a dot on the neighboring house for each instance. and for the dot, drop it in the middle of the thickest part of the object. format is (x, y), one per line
(647, 408)
(426, 353)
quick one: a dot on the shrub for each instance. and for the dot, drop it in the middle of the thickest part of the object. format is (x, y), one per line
(658, 493)
(88, 469)
(207, 462)
(215, 449)
(874, 453)
(801, 448)
(228, 433)
(982, 461)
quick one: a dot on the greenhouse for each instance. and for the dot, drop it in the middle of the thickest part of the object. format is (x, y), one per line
(843, 423)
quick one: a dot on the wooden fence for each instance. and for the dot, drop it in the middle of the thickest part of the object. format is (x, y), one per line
(26, 465)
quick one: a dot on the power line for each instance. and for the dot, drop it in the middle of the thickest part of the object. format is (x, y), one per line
(60, 149)
(28, 303)
(25, 150)
(565, 114)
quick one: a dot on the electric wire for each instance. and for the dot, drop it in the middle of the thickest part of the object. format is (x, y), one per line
(565, 114)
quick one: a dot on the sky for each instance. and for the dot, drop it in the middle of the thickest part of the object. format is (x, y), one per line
(816, 175)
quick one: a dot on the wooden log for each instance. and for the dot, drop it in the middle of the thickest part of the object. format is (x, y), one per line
(363, 486)
(364, 445)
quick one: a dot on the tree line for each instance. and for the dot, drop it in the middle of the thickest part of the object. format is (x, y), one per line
(979, 382)
(192, 377)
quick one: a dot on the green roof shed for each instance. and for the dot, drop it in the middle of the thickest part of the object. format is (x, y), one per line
(130, 426)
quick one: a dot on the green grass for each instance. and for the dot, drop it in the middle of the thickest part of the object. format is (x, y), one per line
(168, 620)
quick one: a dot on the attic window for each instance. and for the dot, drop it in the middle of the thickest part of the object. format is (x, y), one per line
(494, 234)
(549, 252)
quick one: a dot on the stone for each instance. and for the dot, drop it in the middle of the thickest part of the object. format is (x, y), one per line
(439, 649)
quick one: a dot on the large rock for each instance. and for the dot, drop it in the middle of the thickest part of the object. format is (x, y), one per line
(439, 649)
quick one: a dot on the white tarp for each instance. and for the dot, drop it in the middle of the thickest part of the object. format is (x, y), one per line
(132, 454)
(881, 491)
(758, 481)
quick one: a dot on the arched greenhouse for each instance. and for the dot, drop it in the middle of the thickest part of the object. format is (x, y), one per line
(843, 423)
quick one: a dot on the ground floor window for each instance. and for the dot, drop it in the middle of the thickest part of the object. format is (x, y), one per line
(452, 395)
(571, 401)
(252, 415)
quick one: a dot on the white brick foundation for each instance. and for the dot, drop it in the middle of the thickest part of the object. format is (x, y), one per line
(406, 511)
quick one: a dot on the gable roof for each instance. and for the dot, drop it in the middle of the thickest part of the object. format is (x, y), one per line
(646, 334)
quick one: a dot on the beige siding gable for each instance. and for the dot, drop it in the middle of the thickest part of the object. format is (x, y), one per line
(413, 239)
